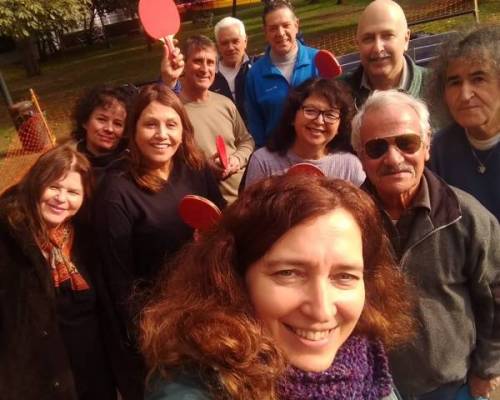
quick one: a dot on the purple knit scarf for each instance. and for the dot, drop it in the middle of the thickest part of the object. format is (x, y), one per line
(360, 371)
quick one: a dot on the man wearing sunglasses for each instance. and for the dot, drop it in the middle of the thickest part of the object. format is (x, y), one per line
(447, 244)
(382, 38)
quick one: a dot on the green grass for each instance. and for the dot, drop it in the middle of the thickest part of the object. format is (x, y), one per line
(65, 75)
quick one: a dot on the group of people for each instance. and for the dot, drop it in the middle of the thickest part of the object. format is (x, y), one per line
(379, 280)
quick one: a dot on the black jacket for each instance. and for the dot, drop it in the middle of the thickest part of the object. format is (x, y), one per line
(221, 86)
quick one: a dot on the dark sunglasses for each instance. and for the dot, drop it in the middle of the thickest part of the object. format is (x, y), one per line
(409, 144)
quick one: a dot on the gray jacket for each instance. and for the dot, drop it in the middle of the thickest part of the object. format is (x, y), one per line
(452, 255)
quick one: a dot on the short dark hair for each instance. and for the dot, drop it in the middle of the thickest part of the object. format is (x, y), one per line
(274, 5)
(480, 44)
(197, 42)
(336, 93)
(98, 96)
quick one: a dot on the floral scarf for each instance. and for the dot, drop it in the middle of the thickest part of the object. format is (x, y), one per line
(57, 250)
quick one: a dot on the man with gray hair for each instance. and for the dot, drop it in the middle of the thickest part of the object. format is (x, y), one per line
(446, 243)
(382, 38)
(232, 66)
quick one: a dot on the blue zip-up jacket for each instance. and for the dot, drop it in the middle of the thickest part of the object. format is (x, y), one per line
(267, 89)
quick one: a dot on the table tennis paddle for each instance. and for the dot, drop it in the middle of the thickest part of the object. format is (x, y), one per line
(222, 151)
(198, 212)
(327, 64)
(305, 169)
(160, 19)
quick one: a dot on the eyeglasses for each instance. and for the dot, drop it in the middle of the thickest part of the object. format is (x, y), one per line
(409, 144)
(329, 116)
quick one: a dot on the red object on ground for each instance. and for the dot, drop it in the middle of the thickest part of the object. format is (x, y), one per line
(305, 169)
(327, 64)
(198, 212)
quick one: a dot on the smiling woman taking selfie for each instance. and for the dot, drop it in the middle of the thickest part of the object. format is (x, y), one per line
(258, 310)
(50, 338)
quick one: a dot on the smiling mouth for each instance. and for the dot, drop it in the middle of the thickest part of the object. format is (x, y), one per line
(161, 146)
(309, 334)
(56, 209)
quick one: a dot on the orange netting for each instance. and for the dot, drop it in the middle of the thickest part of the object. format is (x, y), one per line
(33, 138)
(341, 41)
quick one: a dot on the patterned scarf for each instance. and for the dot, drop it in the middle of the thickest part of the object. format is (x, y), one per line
(57, 250)
(360, 371)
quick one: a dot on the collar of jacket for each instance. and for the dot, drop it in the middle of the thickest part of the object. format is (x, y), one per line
(303, 60)
(445, 207)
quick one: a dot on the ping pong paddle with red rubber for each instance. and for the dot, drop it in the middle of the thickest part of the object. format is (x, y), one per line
(222, 151)
(327, 64)
(160, 19)
(198, 212)
(305, 169)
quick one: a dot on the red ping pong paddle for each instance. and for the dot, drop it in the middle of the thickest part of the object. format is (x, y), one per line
(221, 149)
(198, 212)
(160, 19)
(328, 66)
(305, 169)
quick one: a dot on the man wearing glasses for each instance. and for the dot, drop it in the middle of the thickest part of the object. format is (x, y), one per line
(447, 245)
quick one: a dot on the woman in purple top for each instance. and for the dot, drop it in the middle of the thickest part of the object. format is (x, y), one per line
(315, 129)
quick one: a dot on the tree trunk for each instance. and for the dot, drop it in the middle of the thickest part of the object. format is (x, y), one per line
(29, 56)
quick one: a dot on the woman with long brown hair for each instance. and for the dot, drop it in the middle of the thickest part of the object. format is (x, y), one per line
(292, 295)
(136, 212)
(51, 344)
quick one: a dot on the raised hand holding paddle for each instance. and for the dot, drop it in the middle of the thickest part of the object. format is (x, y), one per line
(160, 19)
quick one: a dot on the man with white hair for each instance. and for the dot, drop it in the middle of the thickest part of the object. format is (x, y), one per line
(233, 63)
(446, 243)
(382, 38)
(232, 66)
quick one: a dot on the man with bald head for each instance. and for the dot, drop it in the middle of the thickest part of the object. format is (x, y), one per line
(382, 38)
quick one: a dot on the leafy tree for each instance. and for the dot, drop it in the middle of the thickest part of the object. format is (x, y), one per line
(29, 20)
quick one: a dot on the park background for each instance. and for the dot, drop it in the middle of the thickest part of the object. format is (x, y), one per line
(84, 59)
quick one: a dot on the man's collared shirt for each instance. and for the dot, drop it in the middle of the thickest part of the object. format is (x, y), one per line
(404, 82)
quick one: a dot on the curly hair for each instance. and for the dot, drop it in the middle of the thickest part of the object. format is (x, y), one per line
(188, 152)
(98, 96)
(21, 202)
(480, 45)
(199, 318)
(336, 93)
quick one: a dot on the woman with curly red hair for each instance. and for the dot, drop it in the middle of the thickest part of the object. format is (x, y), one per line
(292, 295)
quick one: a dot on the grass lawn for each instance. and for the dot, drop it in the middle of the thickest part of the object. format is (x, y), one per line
(65, 75)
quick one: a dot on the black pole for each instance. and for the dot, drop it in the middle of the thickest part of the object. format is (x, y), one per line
(233, 13)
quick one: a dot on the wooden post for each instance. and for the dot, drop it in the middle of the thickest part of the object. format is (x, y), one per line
(476, 11)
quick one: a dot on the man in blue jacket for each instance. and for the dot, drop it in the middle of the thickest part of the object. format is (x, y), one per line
(286, 63)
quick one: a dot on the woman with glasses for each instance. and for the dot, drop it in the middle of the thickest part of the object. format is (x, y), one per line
(314, 129)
